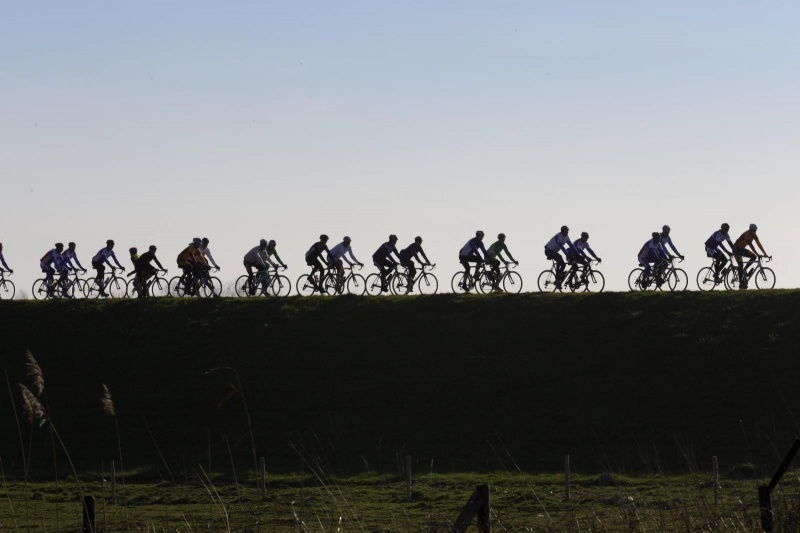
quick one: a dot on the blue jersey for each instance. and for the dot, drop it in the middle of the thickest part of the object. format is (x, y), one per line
(68, 255)
(385, 252)
(103, 255)
(666, 241)
(472, 247)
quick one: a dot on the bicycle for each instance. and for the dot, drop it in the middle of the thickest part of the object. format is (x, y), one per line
(70, 287)
(278, 285)
(489, 281)
(425, 281)
(764, 276)
(637, 281)
(353, 282)
(203, 284)
(583, 278)
(464, 282)
(115, 286)
(7, 288)
(707, 281)
(157, 286)
(677, 279)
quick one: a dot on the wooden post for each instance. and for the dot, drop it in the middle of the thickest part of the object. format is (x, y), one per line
(715, 477)
(262, 474)
(566, 477)
(113, 484)
(484, 516)
(89, 523)
(408, 478)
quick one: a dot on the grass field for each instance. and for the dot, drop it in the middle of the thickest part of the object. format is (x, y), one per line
(643, 385)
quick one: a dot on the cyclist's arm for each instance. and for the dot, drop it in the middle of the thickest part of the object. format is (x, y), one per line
(3, 260)
(158, 263)
(505, 249)
(482, 248)
(589, 248)
(759, 245)
(266, 260)
(423, 255)
(350, 251)
(672, 245)
(114, 257)
(275, 253)
(207, 253)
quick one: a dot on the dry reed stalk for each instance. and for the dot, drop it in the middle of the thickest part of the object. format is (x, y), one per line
(108, 409)
(235, 480)
(211, 484)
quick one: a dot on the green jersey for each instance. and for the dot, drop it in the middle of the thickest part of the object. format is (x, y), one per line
(497, 247)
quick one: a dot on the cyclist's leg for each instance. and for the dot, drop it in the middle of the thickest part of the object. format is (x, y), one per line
(98, 279)
(560, 264)
(719, 263)
(412, 273)
(740, 253)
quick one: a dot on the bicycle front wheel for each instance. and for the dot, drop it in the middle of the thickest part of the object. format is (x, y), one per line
(39, 290)
(595, 281)
(462, 283)
(765, 278)
(117, 288)
(159, 287)
(131, 289)
(280, 286)
(512, 282)
(678, 280)
(547, 281)
(427, 284)
(7, 290)
(356, 285)
(374, 285)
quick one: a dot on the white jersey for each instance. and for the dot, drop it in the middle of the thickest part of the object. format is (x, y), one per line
(557, 242)
(206, 252)
(257, 255)
(340, 251)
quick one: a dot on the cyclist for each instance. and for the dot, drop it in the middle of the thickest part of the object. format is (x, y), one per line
(559, 242)
(715, 246)
(666, 241)
(68, 255)
(190, 261)
(382, 258)
(651, 253)
(740, 250)
(137, 282)
(407, 255)
(145, 267)
(271, 252)
(102, 257)
(469, 254)
(313, 259)
(257, 258)
(206, 253)
(578, 256)
(3, 259)
(493, 256)
(339, 252)
(52, 261)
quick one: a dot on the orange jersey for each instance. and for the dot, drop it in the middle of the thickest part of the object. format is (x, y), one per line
(189, 255)
(746, 239)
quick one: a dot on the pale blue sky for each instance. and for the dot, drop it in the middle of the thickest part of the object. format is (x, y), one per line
(154, 122)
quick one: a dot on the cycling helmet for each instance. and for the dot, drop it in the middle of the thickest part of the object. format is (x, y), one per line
(133, 250)
(665, 228)
(71, 245)
(417, 239)
(753, 227)
(501, 236)
(584, 235)
(479, 233)
(656, 235)
(109, 242)
(205, 240)
(323, 237)
(564, 228)
(725, 226)
(152, 248)
(346, 239)
(272, 243)
(263, 242)
(392, 237)
(59, 245)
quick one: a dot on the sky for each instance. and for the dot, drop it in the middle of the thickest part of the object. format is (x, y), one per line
(156, 122)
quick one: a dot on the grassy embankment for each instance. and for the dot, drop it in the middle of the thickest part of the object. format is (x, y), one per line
(630, 383)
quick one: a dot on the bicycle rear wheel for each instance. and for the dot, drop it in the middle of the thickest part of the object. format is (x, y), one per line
(79, 289)
(427, 284)
(765, 278)
(159, 287)
(635, 280)
(39, 290)
(7, 290)
(462, 283)
(547, 281)
(305, 285)
(356, 284)
(214, 285)
(176, 287)
(374, 285)
(131, 290)
(91, 289)
(677, 280)
(400, 284)
(705, 279)
(242, 286)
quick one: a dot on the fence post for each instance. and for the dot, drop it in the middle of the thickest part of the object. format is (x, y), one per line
(113, 483)
(566, 477)
(715, 478)
(408, 478)
(89, 523)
